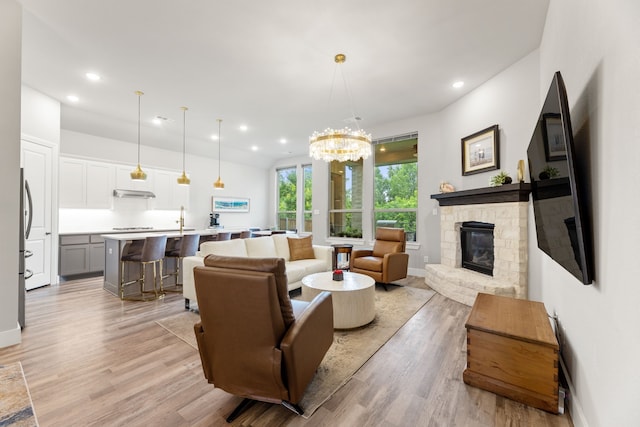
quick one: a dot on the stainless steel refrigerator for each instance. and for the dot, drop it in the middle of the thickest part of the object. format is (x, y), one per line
(26, 216)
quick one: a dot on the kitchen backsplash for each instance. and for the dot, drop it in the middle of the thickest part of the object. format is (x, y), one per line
(126, 213)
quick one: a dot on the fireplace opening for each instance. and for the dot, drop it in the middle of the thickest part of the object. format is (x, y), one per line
(476, 242)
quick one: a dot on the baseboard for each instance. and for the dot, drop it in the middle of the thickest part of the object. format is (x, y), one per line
(575, 408)
(416, 272)
(11, 336)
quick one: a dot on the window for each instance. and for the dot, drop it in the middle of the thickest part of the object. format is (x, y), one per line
(294, 198)
(345, 203)
(287, 198)
(396, 184)
(308, 191)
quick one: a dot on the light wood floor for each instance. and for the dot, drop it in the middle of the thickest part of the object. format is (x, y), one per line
(90, 359)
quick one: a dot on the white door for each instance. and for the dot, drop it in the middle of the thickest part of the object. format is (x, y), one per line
(36, 161)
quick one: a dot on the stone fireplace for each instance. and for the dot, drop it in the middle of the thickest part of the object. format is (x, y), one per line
(506, 208)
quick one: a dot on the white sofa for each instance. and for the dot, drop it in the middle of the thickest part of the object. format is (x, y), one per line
(275, 246)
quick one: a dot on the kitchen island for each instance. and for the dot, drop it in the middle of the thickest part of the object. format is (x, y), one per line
(114, 245)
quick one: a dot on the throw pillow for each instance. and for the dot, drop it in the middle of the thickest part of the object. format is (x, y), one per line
(300, 248)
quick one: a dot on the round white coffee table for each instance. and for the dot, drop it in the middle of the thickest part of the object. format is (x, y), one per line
(353, 298)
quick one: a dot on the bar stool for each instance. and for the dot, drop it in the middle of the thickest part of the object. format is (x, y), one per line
(187, 246)
(151, 252)
(225, 235)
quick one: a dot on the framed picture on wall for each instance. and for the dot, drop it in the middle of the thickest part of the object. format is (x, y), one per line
(481, 151)
(554, 148)
(229, 204)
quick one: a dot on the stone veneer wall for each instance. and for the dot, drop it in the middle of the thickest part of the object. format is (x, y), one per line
(510, 252)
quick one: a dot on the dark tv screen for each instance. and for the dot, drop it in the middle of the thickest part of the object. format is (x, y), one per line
(562, 226)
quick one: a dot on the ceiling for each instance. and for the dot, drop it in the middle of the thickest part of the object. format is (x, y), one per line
(265, 64)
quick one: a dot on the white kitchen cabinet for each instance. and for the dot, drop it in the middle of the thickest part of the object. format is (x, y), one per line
(169, 194)
(86, 184)
(73, 179)
(100, 184)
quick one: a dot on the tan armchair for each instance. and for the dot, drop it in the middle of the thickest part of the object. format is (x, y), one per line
(386, 262)
(254, 341)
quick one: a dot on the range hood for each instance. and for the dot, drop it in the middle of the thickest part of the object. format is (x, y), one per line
(133, 194)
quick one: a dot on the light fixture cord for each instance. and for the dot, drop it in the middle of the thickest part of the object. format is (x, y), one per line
(219, 147)
(349, 97)
(184, 143)
(139, 96)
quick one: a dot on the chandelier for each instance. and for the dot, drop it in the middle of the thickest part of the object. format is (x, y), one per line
(340, 144)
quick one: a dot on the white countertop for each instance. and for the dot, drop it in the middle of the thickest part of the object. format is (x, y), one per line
(152, 233)
(112, 231)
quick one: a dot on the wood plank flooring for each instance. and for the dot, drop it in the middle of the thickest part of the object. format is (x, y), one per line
(92, 360)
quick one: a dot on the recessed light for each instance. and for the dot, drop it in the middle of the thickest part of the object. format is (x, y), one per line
(283, 141)
(458, 84)
(214, 137)
(92, 76)
(244, 128)
(254, 148)
(73, 98)
(156, 121)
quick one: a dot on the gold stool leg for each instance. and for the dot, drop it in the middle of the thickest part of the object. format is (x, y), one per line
(177, 287)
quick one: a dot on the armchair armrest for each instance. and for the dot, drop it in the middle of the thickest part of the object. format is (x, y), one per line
(305, 344)
(324, 253)
(359, 253)
(394, 266)
(203, 351)
(188, 284)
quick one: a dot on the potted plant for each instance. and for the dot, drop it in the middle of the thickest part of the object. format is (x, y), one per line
(500, 179)
(548, 172)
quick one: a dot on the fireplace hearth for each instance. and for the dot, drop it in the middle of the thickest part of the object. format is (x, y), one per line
(476, 243)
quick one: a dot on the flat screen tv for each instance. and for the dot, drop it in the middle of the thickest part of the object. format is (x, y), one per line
(560, 214)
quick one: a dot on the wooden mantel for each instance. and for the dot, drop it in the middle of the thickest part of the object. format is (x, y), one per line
(502, 194)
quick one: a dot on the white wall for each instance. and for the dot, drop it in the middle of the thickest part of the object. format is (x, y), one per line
(240, 181)
(10, 75)
(40, 115)
(594, 45)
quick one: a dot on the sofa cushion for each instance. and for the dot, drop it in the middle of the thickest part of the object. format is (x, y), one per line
(234, 247)
(300, 248)
(282, 245)
(370, 263)
(295, 272)
(260, 247)
(270, 265)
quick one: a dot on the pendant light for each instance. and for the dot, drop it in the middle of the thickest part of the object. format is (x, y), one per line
(219, 185)
(341, 144)
(184, 179)
(138, 174)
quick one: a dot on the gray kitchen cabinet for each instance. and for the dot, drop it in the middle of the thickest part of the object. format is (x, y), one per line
(81, 254)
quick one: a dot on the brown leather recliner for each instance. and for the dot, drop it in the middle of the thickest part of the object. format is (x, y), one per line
(386, 262)
(254, 341)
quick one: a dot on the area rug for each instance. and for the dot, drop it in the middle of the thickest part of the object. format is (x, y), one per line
(350, 349)
(16, 407)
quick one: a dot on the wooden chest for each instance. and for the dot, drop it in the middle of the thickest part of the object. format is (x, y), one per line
(512, 351)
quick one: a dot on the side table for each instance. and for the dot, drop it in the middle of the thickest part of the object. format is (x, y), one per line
(345, 251)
